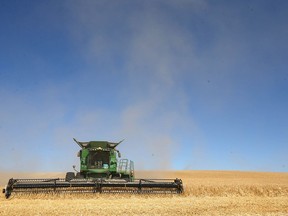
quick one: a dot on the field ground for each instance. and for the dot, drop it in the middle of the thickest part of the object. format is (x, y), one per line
(206, 193)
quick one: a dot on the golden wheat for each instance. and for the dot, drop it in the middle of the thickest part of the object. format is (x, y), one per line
(206, 193)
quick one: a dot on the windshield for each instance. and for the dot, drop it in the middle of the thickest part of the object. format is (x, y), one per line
(98, 159)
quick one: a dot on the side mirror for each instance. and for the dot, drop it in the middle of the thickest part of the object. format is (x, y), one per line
(74, 167)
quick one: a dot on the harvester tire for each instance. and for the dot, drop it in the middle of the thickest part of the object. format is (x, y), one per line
(69, 176)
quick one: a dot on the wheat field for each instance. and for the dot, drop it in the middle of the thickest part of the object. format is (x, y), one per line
(206, 193)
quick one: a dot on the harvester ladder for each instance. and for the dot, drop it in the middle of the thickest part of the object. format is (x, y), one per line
(123, 165)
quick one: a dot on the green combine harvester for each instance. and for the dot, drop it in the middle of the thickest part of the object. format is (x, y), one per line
(101, 171)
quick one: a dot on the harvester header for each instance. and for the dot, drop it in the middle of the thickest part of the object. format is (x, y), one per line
(101, 171)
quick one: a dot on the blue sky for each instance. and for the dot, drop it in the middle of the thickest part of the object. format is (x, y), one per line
(189, 84)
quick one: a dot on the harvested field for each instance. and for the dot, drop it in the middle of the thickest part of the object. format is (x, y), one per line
(206, 193)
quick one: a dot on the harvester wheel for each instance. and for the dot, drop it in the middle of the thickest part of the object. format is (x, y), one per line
(69, 176)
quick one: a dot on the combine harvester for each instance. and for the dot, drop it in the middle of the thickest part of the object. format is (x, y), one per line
(101, 171)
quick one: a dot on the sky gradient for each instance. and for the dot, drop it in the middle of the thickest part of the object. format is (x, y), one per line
(189, 84)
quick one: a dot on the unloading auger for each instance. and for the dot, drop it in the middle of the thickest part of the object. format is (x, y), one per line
(101, 171)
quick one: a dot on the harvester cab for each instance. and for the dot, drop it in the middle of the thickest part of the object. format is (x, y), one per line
(101, 159)
(101, 171)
